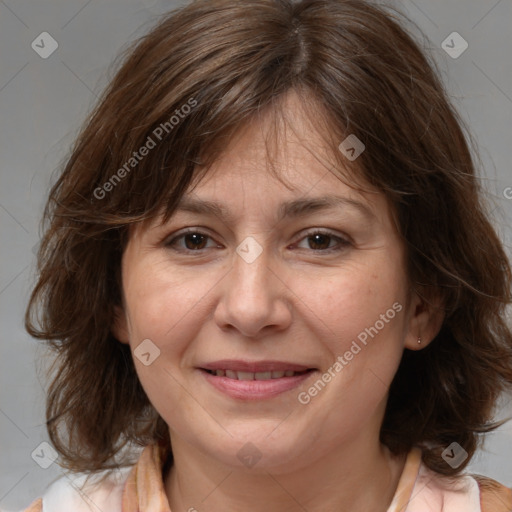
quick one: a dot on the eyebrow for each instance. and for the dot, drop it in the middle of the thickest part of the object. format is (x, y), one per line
(290, 209)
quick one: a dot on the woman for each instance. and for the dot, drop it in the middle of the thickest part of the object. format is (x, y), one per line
(268, 263)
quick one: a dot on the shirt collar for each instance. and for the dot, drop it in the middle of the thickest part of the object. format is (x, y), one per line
(144, 487)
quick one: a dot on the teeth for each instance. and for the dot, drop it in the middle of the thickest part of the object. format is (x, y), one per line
(245, 375)
(262, 375)
(230, 374)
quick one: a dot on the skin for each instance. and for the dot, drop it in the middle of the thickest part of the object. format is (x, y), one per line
(296, 302)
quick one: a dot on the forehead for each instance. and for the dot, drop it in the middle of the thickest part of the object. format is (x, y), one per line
(281, 156)
(285, 154)
(284, 139)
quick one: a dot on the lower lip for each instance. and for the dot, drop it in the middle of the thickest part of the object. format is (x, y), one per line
(255, 389)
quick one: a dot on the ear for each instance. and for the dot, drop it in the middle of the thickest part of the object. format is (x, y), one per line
(120, 325)
(426, 317)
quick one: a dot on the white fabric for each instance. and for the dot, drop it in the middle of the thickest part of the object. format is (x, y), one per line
(68, 494)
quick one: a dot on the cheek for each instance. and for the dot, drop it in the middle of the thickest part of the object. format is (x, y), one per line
(351, 301)
(164, 307)
(161, 303)
(361, 323)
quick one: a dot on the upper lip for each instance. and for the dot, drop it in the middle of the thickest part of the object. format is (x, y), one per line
(254, 366)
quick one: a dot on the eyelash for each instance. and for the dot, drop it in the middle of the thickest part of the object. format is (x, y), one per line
(342, 243)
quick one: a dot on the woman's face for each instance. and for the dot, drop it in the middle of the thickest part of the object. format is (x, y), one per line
(272, 280)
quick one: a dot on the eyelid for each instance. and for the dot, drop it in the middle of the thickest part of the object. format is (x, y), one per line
(169, 239)
(325, 231)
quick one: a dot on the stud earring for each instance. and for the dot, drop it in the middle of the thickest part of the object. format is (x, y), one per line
(419, 340)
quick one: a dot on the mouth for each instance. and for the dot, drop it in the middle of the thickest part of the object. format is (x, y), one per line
(241, 375)
(254, 381)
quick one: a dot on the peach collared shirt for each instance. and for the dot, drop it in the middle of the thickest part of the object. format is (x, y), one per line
(140, 488)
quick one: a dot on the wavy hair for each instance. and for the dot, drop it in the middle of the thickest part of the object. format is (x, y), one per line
(360, 72)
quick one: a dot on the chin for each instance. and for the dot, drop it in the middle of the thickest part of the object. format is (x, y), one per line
(252, 448)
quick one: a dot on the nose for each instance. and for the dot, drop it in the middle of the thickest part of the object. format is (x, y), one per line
(255, 300)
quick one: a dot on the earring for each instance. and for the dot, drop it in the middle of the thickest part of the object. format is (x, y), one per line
(419, 340)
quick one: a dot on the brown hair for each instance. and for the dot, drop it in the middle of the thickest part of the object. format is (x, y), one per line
(228, 61)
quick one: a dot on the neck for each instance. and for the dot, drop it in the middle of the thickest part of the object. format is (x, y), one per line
(361, 477)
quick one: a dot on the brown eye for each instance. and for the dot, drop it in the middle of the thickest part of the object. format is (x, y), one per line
(323, 241)
(190, 241)
(195, 241)
(319, 241)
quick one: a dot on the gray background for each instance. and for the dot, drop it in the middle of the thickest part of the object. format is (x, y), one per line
(44, 101)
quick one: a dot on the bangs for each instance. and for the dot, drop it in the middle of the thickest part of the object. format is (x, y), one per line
(168, 173)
